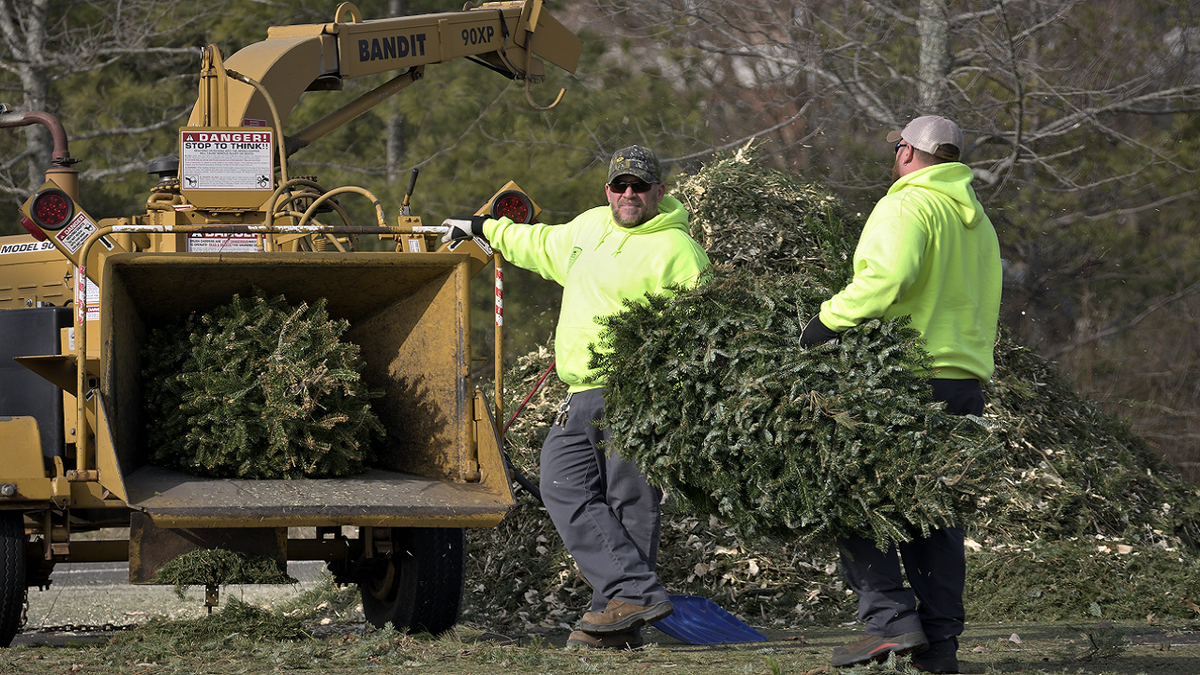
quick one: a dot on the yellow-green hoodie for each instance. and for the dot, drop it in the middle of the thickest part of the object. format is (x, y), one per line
(928, 250)
(599, 265)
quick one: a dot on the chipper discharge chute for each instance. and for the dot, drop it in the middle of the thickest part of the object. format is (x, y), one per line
(82, 296)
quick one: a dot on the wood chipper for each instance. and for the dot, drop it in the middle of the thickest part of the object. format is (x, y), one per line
(79, 295)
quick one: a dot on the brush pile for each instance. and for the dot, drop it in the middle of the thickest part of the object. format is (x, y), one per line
(1065, 498)
(217, 567)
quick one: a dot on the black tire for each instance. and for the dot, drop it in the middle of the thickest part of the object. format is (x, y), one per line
(12, 575)
(419, 588)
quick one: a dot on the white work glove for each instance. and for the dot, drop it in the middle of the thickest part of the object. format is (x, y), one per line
(463, 227)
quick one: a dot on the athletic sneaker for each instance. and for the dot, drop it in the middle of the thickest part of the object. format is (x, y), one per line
(875, 648)
(629, 640)
(620, 616)
(940, 657)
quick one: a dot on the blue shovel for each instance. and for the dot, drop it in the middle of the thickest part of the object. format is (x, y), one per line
(700, 621)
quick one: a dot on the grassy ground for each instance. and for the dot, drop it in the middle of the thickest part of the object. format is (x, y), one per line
(320, 629)
(1018, 648)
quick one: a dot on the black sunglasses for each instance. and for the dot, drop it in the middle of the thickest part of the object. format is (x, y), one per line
(639, 186)
(899, 144)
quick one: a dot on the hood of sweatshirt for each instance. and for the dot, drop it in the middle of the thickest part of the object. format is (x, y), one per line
(950, 181)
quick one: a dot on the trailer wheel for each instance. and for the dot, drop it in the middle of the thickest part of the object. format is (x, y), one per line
(419, 588)
(12, 575)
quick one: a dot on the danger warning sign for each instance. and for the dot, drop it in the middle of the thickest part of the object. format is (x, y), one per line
(76, 232)
(225, 159)
(222, 243)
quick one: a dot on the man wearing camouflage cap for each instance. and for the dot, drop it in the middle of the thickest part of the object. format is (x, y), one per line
(606, 513)
(927, 251)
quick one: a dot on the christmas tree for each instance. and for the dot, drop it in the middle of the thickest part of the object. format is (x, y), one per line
(710, 393)
(258, 388)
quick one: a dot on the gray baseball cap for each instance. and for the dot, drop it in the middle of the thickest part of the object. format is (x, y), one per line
(635, 161)
(933, 134)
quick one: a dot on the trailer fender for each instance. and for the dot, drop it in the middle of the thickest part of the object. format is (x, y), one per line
(23, 477)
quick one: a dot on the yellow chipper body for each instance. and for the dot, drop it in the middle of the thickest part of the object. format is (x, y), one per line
(80, 295)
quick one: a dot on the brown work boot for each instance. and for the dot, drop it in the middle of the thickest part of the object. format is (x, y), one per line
(620, 616)
(628, 640)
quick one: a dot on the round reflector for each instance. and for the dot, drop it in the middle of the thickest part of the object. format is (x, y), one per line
(52, 209)
(512, 205)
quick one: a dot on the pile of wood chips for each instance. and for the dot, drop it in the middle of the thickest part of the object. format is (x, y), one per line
(1052, 477)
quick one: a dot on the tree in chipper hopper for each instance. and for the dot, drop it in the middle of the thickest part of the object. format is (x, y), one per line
(88, 443)
(258, 388)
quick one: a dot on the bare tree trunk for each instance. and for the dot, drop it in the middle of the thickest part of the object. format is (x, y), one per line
(104, 69)
(933, 27)
(23, 26)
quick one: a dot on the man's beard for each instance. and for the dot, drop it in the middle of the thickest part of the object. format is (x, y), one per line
(645, 214)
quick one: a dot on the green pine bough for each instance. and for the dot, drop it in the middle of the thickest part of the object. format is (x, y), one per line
(711, 395)
(258, 388)
(217, 567)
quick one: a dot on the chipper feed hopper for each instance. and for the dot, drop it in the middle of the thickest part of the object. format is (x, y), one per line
(79, 296)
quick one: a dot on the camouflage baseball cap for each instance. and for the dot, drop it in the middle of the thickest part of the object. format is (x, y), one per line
(636, 161)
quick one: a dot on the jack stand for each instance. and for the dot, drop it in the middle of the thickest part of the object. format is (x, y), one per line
(212, 597)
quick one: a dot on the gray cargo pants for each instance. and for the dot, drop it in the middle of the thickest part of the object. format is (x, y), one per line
(609, 518)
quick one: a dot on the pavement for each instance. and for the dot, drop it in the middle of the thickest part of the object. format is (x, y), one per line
(90, 601)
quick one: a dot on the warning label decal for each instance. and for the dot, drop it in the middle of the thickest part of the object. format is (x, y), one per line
(76, 232)
(222, 243)
(214, 159)
(91, 308)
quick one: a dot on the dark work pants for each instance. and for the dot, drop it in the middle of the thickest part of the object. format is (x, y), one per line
(936, 565)
(609, 518)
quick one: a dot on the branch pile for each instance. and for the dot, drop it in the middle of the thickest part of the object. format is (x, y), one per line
(218, 567)
(711, 395)
(1073, 499)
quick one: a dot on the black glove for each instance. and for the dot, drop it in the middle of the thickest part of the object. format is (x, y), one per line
(816, 333)
(463, 227)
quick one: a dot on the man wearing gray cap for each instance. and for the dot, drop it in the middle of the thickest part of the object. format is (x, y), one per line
(930, 252)
(606, 513)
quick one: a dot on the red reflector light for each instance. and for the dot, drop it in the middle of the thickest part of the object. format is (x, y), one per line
(52, 209)
(32, 228)
(513, 205)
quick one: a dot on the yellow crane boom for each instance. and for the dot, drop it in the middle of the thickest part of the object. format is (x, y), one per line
(509, 37)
